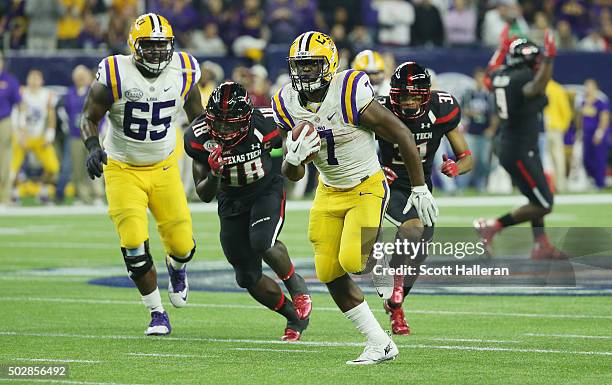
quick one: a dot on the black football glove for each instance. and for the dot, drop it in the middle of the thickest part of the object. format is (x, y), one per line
(96, 158)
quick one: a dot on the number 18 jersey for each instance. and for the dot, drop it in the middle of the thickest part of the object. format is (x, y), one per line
(145, 109)
(348, 151)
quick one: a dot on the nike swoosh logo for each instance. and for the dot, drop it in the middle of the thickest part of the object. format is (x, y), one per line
(364, 193)
(166, 89)
(167, 167)
(331, 116)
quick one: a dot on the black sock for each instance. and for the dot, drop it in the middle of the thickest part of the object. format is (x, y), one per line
(287, 310)
(506, 220)
(296, 284)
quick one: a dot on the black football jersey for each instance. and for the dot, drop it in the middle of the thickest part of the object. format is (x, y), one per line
(248, 165)
(443, 115)
(520, 117)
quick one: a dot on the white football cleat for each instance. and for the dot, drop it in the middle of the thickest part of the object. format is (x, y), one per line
(375, 354)
(178, 286)
(160, 324)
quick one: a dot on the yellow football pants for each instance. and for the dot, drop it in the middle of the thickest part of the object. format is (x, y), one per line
(130, 190)
(45, 153)
(337, 218)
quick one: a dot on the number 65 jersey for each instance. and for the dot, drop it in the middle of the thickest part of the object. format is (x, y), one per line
(144, 109)
(348, 151)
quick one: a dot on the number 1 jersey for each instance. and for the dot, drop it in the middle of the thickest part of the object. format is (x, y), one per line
(144, 110)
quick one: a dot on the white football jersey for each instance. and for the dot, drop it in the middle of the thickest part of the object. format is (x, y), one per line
(36, 110)
(348, 151)
(145, 109)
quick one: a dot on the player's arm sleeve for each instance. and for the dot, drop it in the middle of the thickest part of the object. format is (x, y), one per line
(272, 134)
(197, 73)
(280, 113)
(194, 145)
(356, 96)
(110, 77)
(451, 116)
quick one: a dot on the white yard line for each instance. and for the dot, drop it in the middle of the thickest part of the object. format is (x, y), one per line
(473, 340)
(317, 308)
(170, 355)
(55, 360)
(311, 343)
(569, 336)
(275, 350)
(491, 200)
(51, 381)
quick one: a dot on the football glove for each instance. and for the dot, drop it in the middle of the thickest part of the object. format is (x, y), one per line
(424, 203)
(215, 161)
(389, 174)
(95, 160)
(301, 148)
(550, 49)
(449, 167)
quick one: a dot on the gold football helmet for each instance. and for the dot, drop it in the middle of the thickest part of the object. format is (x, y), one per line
(372, 63)
(313, 61)
(151, 42)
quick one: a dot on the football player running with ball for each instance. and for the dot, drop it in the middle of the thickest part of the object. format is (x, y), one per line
(352, 193)
(519, 89)
(430, 115)
(144, 93)
(231, 145)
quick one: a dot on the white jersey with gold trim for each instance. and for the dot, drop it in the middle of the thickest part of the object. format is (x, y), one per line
(348, 151)
(37, 105)
(145, 109)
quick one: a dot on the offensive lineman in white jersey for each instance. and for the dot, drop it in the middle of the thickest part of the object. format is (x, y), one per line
(352, 194)
(144, 93)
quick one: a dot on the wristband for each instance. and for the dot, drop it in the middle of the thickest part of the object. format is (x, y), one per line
(464, 154)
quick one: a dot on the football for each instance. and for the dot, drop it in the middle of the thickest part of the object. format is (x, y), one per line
(297, 130)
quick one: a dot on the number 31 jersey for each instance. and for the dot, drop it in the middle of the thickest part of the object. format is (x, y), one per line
(145, 109)
(348, 151)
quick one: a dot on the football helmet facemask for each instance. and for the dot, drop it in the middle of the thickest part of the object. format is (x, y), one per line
(151, 42)
(313, 61)
(410, 90)
(228, 114)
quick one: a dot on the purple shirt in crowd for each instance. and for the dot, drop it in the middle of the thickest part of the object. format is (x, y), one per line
(9, 94)
(592, 113)
(73, 104)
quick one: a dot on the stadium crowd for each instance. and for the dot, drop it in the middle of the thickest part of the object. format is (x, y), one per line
(245, 27)
(215, 28)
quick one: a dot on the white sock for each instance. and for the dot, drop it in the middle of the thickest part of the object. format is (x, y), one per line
(153, 301)
(364, 321)
(175, 264)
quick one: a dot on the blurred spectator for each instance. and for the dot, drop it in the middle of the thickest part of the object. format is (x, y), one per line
(259, 90)
(576, 13)
(212, 76)
(207, 41)
(117, 34)
(395, 17)
(252, 34)
(460, 23)
(91, 36)
(283, 20)
(480, 123)
(593, 119)
(360, 38)
(565, 38)
(593, 42)
(495, 19)
(42, 28)
(9, 99)
(557, 119)
(540, 24)
(181, 15)
(427, 29)
(311, 17)
(338, 34)
(70, 113)
(70, 25)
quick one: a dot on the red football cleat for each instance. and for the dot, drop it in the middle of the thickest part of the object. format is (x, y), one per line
(542, 252)
(303, 305)
(397, 296)
(486, 230)
(398, 320)
(291, 335)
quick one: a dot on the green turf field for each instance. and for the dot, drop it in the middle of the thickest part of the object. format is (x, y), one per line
(55, 316)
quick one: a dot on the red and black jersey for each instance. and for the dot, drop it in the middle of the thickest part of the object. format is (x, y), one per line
(443, 115)
(248, 165)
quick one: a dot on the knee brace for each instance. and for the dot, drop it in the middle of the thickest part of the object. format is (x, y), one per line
(247, 278)
(185, 258)
(137, 262)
